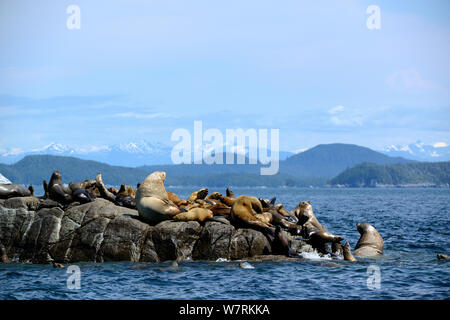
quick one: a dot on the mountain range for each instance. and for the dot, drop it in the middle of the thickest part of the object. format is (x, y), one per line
(131, 154)
(312, 167)
(420, 151)
(142, 153)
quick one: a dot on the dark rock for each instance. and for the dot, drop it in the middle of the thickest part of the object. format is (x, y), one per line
(214, 241)
(29, 203)
(248, 243)
(124, 239)
(175, 240)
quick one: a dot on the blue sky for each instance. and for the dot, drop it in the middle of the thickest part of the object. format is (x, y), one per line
(140, 69)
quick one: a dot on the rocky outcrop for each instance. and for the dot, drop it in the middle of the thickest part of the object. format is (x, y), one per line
(40, 231)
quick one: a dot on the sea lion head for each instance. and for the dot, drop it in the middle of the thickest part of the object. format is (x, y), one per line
(364, 228)
(55, 178)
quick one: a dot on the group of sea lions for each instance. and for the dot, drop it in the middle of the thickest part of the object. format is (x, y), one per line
(154, 204)
(82, 192)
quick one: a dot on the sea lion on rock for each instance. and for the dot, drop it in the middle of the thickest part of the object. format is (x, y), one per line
(10, 190)
(56, 190)
(242, 213)
(319, 239)
(347, 252)
(200, 194)
(105, 193)
(306, 217)
(280, 244)
(196, 214)
(370, 243)
(152, 201)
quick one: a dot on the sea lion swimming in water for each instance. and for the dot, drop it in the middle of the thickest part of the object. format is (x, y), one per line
(347, 252)
(152, 201)
(370, 243)
(10, 190)
(441, 256)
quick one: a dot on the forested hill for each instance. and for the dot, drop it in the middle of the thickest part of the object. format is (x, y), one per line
(35, 169)
(371, 175)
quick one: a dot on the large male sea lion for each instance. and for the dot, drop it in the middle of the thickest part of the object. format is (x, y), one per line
(152, 201)
(56, 189)
(370, 243)
(10, 190)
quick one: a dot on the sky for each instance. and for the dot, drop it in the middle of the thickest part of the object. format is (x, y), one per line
(139, 69)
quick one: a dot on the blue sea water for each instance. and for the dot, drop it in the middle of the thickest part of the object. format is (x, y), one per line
(414, 224)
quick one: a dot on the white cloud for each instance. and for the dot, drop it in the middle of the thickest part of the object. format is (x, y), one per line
(142, 115)
(336, 109)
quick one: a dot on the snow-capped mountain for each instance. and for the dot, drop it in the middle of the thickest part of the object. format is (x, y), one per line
(420, 151)
(131, 154)
(125, 154)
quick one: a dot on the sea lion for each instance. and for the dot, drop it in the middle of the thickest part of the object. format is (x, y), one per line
(105, 193)
(56, 190)
(200, 194)
(86, 184)
(57, 265)
(347, 253)
(279, 219)
(306, 218)
(336, 249)
(4, 256)
(319, 239)
(243, 213)
(82, 196)
(152, 201)
(441, 256)
(196, 214)
(229, 193)
(370, 243)
(10, 190)
(123, 198)
(45, 186)
(220, 209)
(280, 244)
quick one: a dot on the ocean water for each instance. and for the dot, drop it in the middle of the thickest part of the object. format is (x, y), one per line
(414, 224)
